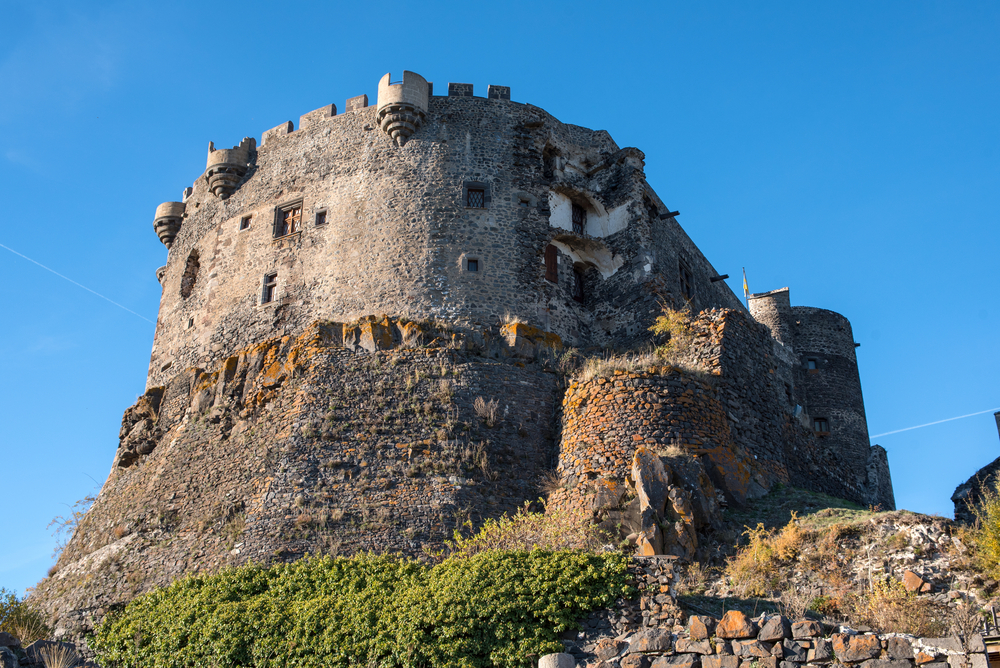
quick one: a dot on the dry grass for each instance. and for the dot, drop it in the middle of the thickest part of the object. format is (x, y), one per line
(526, 530)
(602, 367)
(756, 570)
(887, 607)
(59, 656)
(512, 319)
(488, 411)
(550, 482)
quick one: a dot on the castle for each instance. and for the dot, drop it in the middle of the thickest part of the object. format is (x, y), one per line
(359, 336)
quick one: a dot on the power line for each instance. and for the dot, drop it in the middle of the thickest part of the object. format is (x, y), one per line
(989, 410)
(77, 284)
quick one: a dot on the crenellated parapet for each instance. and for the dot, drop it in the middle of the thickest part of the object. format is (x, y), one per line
(402, 106)
(227, 166)
(167, 222)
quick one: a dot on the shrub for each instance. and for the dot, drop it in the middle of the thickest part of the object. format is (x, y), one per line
(493, 608)
(986, 533)
(887, 607)
(756, 568)
(21, 620)
(555, 529)
(676, 325)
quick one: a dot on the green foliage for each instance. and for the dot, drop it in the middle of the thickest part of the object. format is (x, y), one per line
(21, 620)
(986, 534)
(493, 608)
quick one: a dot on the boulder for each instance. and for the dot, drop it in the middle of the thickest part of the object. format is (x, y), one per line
(701, 627)
(694, 646)
(720, 661)
(736, 625)
(912, 581)
(822, 652)
(900, 648)
(608, 648)
(923, 657)
(806, 628)
(7, 640)
(560, 660)
(855, 649)
(793, 651)
(650, 640)
(634, 661)
(775, 629)
(651, 480)
(751, 648)
(677, 661)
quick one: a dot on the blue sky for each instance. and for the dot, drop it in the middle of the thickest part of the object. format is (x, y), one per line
(850, 151)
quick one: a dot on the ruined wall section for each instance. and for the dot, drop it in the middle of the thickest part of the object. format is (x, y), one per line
(731, 408)
(301, 444)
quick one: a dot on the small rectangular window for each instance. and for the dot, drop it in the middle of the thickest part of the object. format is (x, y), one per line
(811, 364)
(551, 264)
(821, 426)
(245, 222)
(577, 285)
(190, 323)
(270, 284)
(320, 218)
(579, 219)
(687, 283)
(472, 265)
(475, 198)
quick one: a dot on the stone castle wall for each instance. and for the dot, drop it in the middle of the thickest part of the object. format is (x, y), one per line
(385, 229)
(735, 414)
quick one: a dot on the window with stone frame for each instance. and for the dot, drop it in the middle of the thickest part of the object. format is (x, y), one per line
(812, 365)
(551, 264)
(821, 426)
(320, 218)
(270, 287)
(475, 195)
(579, 219)
(245, 222)
(472, 264)
(288, 219)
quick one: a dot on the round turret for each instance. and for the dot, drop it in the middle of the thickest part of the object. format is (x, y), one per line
(227, 166)
(773, 309)
(402, 105)
(167, 221)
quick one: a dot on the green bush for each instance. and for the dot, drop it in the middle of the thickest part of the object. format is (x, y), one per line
(493, 608)
(986, 533)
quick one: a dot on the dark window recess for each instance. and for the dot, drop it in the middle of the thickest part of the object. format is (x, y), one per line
(321, 218)
(475, 198)
(288, 221)
(270, 284)
(579, 219)
(788, 392)
(551, 264)
(577, 285)
(190, 323)
(245, 222)
(811, 364)
(190, 275)
(821, 426)
(687, 283)
(472, 265)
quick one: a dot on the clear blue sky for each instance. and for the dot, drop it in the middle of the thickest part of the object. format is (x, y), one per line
(850, 151)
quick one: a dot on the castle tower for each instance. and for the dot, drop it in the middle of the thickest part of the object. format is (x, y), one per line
(402, 105)
(227, 166)
(774, 309)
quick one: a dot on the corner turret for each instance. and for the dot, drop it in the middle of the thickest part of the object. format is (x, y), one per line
(227, 166)
(402, 105)
(167, 221)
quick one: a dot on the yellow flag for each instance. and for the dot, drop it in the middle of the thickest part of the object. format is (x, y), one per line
(746, 290)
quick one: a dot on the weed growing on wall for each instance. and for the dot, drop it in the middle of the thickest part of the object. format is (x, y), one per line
(675, 325)
(986, 534)
(495, 608)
